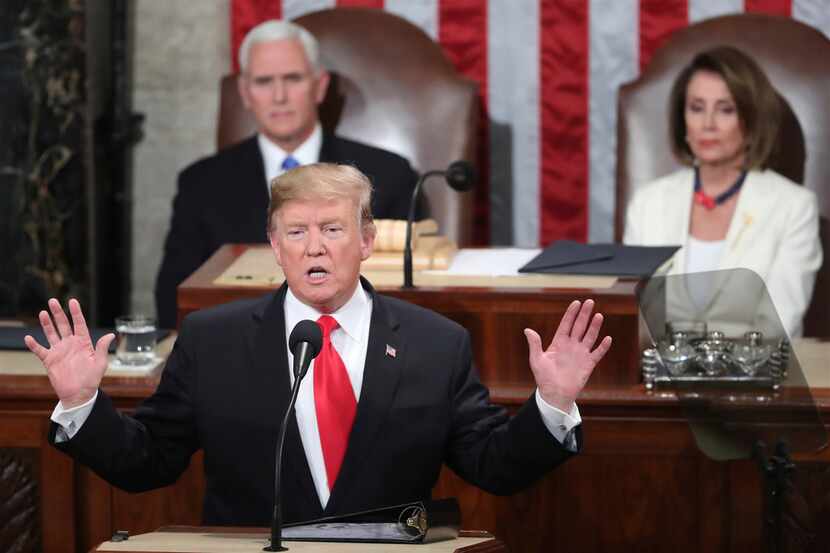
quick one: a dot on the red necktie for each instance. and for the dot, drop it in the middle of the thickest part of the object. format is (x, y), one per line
(334, 401)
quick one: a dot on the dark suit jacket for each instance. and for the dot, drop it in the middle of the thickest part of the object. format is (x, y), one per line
(226, 387)
(223, 199)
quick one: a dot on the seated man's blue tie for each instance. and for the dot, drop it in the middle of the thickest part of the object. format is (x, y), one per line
(289, 163)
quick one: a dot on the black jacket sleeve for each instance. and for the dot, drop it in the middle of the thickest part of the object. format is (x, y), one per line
(185, 249)
(497, 453)
(151, 449)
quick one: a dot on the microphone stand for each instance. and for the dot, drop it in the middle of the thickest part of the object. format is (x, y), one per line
(276, 520)
(407, 249)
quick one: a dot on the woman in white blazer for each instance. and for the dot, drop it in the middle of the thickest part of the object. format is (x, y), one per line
(726, 209)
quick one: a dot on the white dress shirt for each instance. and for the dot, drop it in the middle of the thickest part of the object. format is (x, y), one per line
(351, 340)
(702, 256)
(272, 155)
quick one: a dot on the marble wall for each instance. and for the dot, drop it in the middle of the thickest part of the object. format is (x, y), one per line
(180, 51)
(43, 118)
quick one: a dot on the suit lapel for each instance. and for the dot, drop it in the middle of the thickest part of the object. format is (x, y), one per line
(252, 189)
(271, 356)
(679, 208)
(385, 358)
(328, 149)
(677, 205)
(739, 236)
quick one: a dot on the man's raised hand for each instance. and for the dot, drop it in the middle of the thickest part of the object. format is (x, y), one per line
(74, 367)
(562, 369)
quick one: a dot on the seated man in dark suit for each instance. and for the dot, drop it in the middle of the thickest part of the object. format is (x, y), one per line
(392, 395)
(223, 198)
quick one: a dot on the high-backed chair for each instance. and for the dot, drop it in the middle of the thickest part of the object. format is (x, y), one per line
(394, 88)
(796, 58)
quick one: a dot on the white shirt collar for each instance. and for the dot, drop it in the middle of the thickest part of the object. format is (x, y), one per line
(350, 316)
(273, 156)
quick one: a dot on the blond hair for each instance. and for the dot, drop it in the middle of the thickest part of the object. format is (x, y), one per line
(324, 182)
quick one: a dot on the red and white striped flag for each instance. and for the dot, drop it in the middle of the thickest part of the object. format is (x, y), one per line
(548, 72)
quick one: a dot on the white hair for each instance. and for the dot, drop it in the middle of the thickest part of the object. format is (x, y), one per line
(277, 29)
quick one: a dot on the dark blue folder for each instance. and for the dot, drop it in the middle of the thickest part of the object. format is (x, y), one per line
(572, 258)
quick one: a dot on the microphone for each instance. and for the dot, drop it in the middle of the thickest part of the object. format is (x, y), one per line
(460, 176)
(305, 342)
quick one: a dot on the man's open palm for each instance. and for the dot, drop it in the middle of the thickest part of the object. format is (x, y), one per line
(562, 369)
(74, 367)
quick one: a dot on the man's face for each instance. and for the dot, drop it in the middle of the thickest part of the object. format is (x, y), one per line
(319, 245)
(281, 90)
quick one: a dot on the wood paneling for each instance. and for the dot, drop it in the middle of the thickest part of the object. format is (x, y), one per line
(37, 476)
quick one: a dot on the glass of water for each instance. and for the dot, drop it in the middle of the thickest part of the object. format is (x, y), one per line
(136, 340)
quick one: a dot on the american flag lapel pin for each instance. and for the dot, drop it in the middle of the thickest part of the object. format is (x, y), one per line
(390, 351)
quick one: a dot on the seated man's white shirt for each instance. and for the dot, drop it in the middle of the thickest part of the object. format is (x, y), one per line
(351, 340)
(272, 155)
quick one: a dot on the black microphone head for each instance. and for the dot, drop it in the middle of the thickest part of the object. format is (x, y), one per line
(461, 175)
(306, 331)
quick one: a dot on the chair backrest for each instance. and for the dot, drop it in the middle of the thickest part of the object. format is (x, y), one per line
(796, 58)
(394, 88)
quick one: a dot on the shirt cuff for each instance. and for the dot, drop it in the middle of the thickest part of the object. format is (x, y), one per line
(559, 423)
(71, 420)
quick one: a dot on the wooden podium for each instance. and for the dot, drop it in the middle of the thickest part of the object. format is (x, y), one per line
(194, 539)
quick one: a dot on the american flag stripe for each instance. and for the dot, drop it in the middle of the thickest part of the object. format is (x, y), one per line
(423, 14)
(462, 31)
(700, 10)
(548, 72)
(658, 20)
(611, 44)
(563, 196)
(514, 103)
(295, 8)
(378, 4)
(773, 7)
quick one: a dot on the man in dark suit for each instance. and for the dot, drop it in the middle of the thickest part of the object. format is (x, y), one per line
(223, 198)
(392, 395)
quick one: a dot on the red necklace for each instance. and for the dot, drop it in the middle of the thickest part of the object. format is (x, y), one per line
(710, 202)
